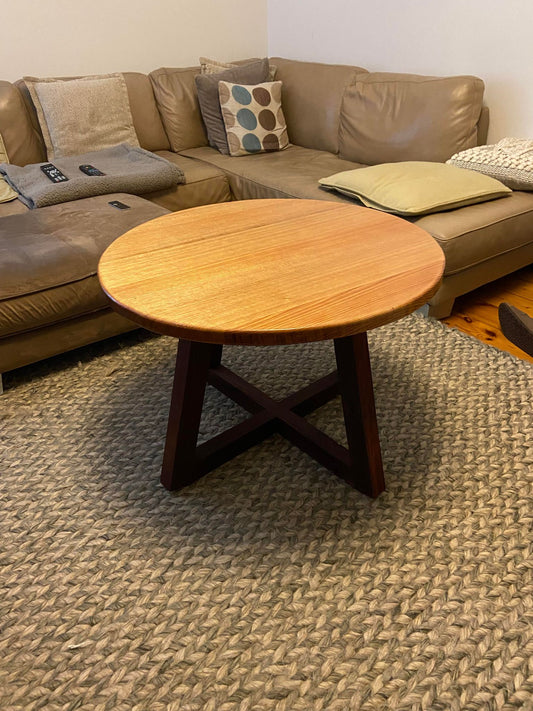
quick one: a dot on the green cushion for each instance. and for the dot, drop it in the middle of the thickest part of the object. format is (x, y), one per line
(415, 187)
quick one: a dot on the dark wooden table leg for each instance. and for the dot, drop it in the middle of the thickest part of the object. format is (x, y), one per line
(355, 384)
(190, 378)
(199, 363)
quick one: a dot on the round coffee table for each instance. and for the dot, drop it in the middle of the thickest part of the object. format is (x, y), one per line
(264, 273)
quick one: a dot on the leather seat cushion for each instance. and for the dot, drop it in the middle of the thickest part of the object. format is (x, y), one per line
(49, 258)
(291, 173)
(477, 233)
(50, 306)
(204, 185)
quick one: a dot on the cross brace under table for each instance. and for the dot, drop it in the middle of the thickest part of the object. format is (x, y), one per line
(198, 364)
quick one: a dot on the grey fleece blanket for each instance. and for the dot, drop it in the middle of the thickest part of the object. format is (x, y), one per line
(127, 169)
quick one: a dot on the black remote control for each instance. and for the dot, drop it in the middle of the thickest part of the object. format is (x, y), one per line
(119, 205)
(53, 173)
(90, 170)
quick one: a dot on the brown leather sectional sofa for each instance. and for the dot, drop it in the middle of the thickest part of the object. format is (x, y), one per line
(338, 118)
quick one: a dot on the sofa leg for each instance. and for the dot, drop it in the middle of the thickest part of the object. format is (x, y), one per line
(441, 309)
(1, 385)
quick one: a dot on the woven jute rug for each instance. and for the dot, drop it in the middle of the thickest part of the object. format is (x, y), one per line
(269, 584)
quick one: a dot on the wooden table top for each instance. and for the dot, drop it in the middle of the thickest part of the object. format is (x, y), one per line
(265, 272)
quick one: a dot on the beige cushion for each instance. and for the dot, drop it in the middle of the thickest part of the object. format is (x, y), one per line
(81, 115)
(207, 88)
(509, 161)
(416, 187)
(213, 66)
(253, 117)
(404, 117)
(6, 192)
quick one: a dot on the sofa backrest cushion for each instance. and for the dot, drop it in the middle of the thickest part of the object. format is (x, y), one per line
(311, 98)
(176, 97)
(22, 140)
(388, 117)
(146, 118)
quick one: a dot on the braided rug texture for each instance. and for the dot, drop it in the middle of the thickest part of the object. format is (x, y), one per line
(269, 584)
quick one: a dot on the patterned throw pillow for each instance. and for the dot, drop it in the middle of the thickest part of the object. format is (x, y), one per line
(253, 117)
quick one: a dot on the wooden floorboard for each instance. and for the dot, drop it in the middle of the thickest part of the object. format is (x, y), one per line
(476, 313)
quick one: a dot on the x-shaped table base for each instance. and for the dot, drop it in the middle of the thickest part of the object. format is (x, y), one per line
(199, 364)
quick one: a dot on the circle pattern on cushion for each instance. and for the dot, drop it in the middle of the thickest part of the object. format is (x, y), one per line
(241, 94)
(253, 117)
(251, 143)
(247, 119)
(261, 95)
(267, 120)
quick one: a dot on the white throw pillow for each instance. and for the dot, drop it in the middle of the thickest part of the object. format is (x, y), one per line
(510, 161)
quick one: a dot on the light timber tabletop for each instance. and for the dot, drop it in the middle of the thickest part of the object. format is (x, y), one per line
(262, 272)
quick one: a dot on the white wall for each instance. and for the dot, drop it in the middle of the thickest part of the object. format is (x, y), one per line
(62, 37)
(489, 38)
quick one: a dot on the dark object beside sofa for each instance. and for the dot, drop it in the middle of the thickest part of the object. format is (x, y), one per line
(517, 327)
(335, 120)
